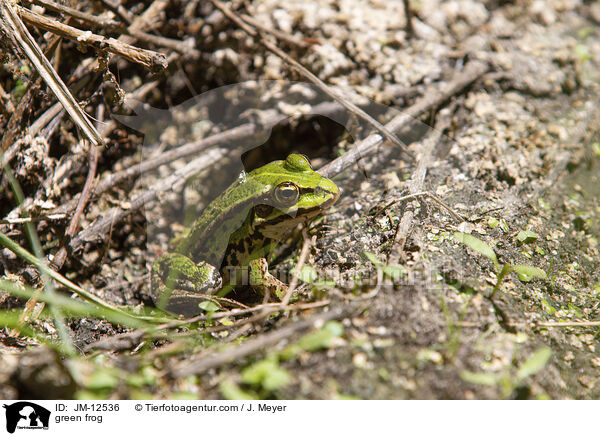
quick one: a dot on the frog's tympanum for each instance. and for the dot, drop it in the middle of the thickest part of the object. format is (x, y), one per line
(238, 229)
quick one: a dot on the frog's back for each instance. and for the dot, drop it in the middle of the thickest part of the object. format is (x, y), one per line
(210, 233)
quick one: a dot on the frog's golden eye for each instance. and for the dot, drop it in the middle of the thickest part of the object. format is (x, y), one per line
(263, 210)
(287, 194)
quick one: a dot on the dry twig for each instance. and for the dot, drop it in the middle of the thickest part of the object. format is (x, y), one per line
(60, 257)
(308, 242)
(101, 23)
(433, 98)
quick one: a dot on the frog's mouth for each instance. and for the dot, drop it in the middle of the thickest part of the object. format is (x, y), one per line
(308, 212)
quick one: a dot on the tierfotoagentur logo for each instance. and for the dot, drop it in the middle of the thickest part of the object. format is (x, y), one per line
(26, 416)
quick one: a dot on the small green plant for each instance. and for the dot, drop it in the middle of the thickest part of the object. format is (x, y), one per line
(509, 380)
(263, 378)
(525, 272)
(392, 272)
(527, 237)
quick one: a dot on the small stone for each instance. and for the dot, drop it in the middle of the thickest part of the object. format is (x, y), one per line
(569, 356)
(391, 180)
(359, 360)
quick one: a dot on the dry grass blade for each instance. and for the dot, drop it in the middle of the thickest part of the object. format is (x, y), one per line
(11, 24)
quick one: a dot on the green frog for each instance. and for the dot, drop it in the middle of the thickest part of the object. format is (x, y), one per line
(237, 230)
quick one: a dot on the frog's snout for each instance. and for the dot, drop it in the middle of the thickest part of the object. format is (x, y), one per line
(327, 188)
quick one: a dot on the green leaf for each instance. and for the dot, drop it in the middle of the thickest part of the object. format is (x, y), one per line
(479, 378)
(535, 363)
(208, 306)
(103, 379)
(548, 308)
(393, 272)
(543, 203)
(308, 274)
(317, 340)
(582, 52)
(596, 148)
(476, 244)
(321, 338)
(527, 272)
(231, 391)
(372, 258)
(266, 373)
(527, 237)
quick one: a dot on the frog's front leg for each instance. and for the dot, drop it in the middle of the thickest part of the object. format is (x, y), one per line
(262, 280)
(176, 277)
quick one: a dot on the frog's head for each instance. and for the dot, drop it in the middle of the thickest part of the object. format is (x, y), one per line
(294, 193)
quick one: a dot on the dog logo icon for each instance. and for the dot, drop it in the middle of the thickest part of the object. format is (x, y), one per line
(26, 415)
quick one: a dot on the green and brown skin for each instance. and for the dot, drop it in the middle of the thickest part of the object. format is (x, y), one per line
(240, 227)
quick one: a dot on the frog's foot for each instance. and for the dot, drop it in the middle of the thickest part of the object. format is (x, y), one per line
(265, 282)
(175, 276)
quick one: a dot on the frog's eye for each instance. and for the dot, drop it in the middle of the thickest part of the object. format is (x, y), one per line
(287, 194)
(263, 210)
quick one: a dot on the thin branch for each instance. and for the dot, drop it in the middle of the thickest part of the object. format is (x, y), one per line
(416, 182)
(102, 23)
(433, 98)
(534, 324)
(421, 194)
(408, 14)
(270, 307)
(184, 47)
(276, 33)
(119, 10)
(308, 242)
(16, 30)
(34, 219)
(61, 256)
(568, 324)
